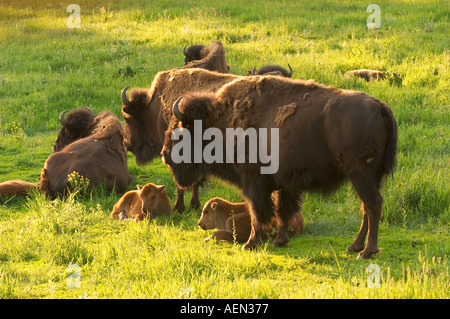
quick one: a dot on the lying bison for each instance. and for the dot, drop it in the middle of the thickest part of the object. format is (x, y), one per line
(211, 57)
(148, 112)
(367, 75)
(90, 145)
(16, 188)
(271, 70)
(325, 136)
(148, 201)
(234, 223)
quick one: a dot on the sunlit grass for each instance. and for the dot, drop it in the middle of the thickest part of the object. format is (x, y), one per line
(46, 68)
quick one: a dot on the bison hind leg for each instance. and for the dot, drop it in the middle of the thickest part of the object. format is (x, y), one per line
(367, 186)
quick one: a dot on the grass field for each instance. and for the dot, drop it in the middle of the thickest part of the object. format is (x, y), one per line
(46, 67)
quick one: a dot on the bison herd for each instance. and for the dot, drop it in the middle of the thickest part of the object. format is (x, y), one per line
(326, 136)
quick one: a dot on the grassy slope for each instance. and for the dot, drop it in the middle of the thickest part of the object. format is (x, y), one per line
(46, 68)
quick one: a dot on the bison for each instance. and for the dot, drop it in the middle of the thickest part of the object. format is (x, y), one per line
(367, 75)
(325, 137)
(211, 57)
(149, 200)
(16, 188)
(148, 112)
(234, 223)
(271, 70)
(90, 145)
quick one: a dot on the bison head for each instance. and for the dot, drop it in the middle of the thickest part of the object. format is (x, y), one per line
(193, 53)
(137, 136)
(208, 219)
(150, 195)
(75, 125)
(271, 70)
(192, 113)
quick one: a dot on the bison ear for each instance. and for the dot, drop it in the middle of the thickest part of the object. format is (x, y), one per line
(214, 205)
(160, 188)
(139, 187)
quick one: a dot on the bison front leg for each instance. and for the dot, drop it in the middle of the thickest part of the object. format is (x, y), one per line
(179, 204)
(195, 201)
(260, 208)
(286, 206)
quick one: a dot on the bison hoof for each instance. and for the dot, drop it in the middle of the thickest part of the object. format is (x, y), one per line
(366, 254)
(280, 242)
(354, 248)
(195, 205)
(250, 246)
(179, 207)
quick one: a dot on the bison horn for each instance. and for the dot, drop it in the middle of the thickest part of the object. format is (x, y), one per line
(290, 73)
(184, 50)
(124, 97)
(61, 118)
(254, 70)
(176, 111)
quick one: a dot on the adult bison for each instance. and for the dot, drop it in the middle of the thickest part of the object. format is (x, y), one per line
(326, 136)
(90, 145)
(271, 69)
(148, 112)
(211, 57)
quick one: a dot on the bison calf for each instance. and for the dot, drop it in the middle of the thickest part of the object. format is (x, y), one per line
(16, 188)
(234, 222)
(367, 75)
(147, 201)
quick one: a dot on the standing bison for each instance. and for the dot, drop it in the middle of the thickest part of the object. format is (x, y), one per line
(325, 136)
(90, 145)
(148, 112)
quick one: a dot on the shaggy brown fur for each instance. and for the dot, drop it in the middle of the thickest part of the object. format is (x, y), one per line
(16, 188)
(284, 112)
(234, 222)
(211, 57)
(334, 135)
(92, 146)
(148, 201)
(148, 112)
(367, 75)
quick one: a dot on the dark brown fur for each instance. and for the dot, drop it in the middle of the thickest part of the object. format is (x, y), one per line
(92, 146)
(271, 69)
(211, 57)
(334, 135)
(233, 221)
(149, 112)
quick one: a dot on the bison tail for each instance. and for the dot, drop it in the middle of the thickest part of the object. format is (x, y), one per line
(391, 146)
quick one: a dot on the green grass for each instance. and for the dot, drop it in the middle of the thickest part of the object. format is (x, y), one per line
(46, 68)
